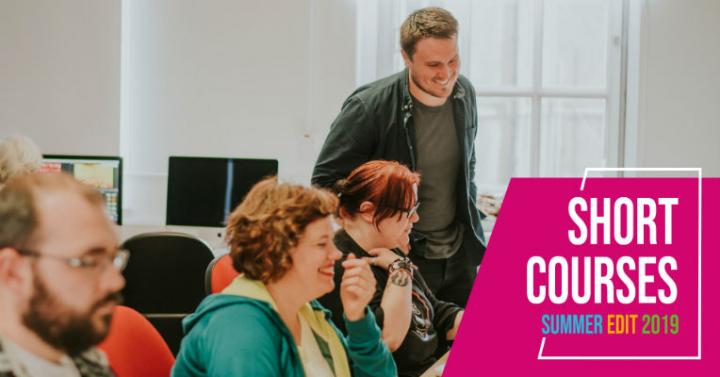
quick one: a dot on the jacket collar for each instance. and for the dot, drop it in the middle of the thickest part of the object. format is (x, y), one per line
(407, 105)
(254, 289)
(315, 315)
(347, 244)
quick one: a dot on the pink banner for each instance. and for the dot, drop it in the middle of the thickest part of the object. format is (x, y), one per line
(597, 278)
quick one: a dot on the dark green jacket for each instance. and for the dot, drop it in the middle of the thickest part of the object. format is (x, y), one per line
(376, 123)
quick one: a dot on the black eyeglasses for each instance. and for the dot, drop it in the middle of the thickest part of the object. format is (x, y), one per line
(90, 262)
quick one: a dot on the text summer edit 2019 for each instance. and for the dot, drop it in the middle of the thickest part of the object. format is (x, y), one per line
(620, 221)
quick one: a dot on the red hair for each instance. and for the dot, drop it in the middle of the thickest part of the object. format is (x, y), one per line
(388, 185)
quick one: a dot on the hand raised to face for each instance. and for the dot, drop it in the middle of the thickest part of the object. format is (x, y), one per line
(357, 287)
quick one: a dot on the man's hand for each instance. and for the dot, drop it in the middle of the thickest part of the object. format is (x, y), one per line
(357, 287)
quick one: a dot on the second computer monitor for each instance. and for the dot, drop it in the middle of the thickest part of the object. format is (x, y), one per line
(104, 173)
(202, 191)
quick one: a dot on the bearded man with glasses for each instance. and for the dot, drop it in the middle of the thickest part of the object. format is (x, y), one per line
(60, 277)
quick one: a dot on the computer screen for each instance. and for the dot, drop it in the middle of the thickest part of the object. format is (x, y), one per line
(102, 172)
(202, 191)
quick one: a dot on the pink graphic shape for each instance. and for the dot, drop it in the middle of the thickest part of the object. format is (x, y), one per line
(501, 331)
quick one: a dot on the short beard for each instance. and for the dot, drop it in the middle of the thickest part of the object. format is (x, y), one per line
(63, 329)
(419, 86)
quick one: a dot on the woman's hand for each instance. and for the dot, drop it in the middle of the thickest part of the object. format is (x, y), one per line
(356, 288)
(453, 332)
(382, 257)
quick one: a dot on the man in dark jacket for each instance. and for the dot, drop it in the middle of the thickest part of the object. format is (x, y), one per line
(426, 118)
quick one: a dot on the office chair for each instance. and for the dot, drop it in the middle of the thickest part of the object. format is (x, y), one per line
(219, 274)
(134, 347)
(165, 279)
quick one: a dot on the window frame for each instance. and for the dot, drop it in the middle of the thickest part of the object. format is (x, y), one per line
(614, 93)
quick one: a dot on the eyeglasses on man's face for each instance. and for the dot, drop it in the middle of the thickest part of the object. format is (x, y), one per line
(97, 262)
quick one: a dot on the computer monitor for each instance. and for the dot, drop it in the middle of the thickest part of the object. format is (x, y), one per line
(202, 191)
(102, 172)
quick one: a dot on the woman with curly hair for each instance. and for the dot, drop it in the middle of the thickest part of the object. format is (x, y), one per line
(267, 322)
(378, 207)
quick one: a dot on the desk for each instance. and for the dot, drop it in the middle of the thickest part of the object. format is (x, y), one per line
(436, 369)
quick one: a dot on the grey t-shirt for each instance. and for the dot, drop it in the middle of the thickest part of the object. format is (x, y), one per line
(439, 162)
(25, 363)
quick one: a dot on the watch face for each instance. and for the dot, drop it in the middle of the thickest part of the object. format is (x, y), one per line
(400, 264)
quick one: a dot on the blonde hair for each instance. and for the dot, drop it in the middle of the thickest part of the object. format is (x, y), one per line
(18, 155)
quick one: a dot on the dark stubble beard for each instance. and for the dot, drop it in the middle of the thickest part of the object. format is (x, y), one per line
(425, 90)
(62, 328)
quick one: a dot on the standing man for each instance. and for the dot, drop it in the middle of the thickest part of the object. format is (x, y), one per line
(59, 277)
(426, 118)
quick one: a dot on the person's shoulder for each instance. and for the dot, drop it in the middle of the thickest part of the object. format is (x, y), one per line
(93, 359)
(244, 325)
(243, 336)
(225, 316)
(245, 313)
(379, 91)
(465, 84)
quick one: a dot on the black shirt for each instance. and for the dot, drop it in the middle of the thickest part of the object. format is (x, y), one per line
(431, 318)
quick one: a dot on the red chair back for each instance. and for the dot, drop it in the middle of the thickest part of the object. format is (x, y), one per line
(220, 274)
(134, 348)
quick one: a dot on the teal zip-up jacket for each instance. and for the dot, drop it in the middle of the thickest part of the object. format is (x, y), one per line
(238, 335)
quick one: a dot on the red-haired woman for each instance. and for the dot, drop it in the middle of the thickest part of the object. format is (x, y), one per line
(378, 206)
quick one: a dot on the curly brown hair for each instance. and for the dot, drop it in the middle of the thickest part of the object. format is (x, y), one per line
(269, 222)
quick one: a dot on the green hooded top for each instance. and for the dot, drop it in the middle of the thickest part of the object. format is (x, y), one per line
(239, 333)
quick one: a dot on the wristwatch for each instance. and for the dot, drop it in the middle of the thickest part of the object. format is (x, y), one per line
(402, 263)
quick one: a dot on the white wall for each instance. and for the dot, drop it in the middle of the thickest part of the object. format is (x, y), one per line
(266, 78)
(60, 74)
(260, 79)
(678, 86)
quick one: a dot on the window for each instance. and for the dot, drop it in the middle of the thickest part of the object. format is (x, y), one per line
(547, 75)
